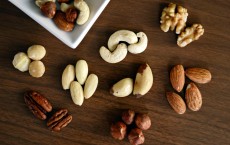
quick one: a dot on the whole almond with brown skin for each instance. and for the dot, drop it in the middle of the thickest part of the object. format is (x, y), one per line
(62, 23)
(193, 97)
(198, 75)
(176, 102)
(177, 77)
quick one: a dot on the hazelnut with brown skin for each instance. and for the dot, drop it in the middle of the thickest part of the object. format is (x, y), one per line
(128, 116)
(49, 9)
(118, 130)
(143, 121)
(136, 136)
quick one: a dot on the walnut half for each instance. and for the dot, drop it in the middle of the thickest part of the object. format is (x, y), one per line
(190, 34)
(171, 19)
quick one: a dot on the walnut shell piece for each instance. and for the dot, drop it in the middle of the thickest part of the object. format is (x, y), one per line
(62, 23)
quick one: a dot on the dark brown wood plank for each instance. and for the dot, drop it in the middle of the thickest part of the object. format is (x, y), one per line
(91, 122)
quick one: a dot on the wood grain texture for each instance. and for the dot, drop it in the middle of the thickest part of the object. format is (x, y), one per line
(91, 122)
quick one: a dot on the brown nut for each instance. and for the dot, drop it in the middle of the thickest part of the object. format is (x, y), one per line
(143, 121)
(62, 23)
(37, 104)
(128, 116)
(118, 130)
(71, 14)
(177, 77)
(59, 120)
(136, 136)
(49, 9)
(63, 1)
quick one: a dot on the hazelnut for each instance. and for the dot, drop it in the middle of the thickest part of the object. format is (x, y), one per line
(21, 61)
(49, 9)
(118, 130)
(36, 52)
(128, 116)
(136, 136)
(71, 14)
(36, 69)
(143, 121)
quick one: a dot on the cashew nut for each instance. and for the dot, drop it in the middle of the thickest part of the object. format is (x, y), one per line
(82, 6)
(141, 45)
(39, 3)
(121, 35)
(122, 88)
(144, 80)
(64, 7)
(116, 56)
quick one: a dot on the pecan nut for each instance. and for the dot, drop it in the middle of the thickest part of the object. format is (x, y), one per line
(59, 120)
(71, 15)
(37, 104)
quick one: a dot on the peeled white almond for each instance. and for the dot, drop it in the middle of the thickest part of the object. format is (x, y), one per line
(90, 86)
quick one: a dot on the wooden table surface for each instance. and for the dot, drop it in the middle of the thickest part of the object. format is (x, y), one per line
(91, 122)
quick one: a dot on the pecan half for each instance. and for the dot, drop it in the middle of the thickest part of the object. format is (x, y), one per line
(59, 120)
(63, 1)
(62, 23)
(71, 14)
(37, 104)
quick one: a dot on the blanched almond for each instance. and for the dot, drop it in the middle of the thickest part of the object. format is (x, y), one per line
(81, 71)
(68, 76)
(90, 86)
(76, 92)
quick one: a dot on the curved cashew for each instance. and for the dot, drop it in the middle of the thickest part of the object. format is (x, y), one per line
(82, 6)
(121, 35)
(141, 45)
(39, 3)
(64, 7)
(116, 56)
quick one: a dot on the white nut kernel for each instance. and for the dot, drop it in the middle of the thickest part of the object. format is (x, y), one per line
(36, 69)
(36, 52)
(123, 88)
(83, 7)
(81, 71)
(21, 61)
(68, 76)
(116, 56)
(90, 86)
(144, 80)
(141, 45)
(121, 35)
(76, 92)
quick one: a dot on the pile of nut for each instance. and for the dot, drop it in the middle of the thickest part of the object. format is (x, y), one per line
(170, 19)
(22, 61)
(143, 83)
(76, 90)
(192, 95)
(131, 124)
(71, 12)
(117, 51)
(40, 107)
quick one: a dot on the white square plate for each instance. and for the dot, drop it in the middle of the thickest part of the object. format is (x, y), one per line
(72, 39)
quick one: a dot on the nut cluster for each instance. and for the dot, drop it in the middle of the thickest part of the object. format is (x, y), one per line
(193, 96)
(133, 122)
(22, 61)
(76, 87)
(143, 83)
(172, 19)
(40, 107)
(117, 51)
(67, 15)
